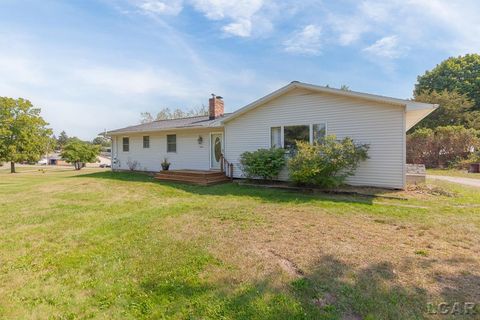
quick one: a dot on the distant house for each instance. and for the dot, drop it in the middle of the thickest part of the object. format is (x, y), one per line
(298, 111)
(55, 159)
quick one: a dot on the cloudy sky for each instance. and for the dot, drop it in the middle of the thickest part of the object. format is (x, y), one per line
(96, 64)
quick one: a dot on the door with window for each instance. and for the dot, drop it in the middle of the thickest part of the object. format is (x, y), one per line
(216, 146)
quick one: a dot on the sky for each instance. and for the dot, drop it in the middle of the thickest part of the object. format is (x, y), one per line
(92, 65)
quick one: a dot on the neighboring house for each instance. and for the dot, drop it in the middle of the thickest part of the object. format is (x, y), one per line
(298, 111)
(55, 159)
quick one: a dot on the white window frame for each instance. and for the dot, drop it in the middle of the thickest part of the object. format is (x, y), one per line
(282, 131)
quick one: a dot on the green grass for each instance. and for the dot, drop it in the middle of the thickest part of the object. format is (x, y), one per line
(100, 245)
(453, 173)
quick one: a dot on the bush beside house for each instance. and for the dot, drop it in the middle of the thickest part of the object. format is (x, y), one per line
(263, 163)
(443, 146)
(326, 164)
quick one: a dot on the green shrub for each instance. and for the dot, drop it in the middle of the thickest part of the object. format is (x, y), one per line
(327, 164)
(263, 163)
(442, 146)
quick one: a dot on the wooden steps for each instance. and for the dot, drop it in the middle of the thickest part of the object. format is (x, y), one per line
(204, 178)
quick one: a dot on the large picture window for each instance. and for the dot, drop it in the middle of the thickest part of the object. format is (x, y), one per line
(292, 134)
(126, 144)
(314, 133)
(171, 143)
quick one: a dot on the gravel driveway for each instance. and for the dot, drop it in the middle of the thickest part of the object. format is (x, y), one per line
(464, 181)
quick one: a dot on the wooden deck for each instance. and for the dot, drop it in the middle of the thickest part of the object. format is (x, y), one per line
(198, 177)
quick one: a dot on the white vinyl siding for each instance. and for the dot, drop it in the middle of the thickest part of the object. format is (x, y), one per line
(380, 125)
(189, 153)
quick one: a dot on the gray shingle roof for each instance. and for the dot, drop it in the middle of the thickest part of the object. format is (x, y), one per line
(159, 125)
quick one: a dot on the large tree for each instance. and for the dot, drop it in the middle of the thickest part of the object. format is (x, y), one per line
(78, 153)
(460, 74)
(24, 135)
(454, 109)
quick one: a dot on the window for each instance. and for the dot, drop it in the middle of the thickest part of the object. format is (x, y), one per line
(291, 134)
(314, 133)
(146, 142)
(276, 137)
(319, 132)
(126, 144)
(171, 143)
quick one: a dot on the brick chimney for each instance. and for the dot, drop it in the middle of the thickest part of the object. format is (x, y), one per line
(215, 107)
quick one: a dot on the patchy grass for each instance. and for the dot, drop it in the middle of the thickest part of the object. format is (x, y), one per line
(96, 244)
(453, 173)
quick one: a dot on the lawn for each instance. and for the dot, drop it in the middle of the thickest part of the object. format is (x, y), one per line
(453, 173)
(101, 245)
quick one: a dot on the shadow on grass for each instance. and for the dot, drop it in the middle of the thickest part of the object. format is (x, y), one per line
(232, 189)
(332, 290)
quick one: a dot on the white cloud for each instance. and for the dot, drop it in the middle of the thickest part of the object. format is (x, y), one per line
(158, 7)
(386, 47)
(306, 41)
(241, 28)
(242, 16)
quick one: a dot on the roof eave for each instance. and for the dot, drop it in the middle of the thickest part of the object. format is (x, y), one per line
(116, 133)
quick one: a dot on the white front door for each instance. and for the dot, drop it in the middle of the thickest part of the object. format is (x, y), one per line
(216, 150)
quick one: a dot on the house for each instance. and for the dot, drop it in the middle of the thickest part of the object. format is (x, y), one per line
(297, 111)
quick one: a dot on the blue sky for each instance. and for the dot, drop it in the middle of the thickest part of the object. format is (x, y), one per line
(92, 64)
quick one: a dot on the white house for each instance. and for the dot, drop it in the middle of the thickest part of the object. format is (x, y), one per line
(297, 111)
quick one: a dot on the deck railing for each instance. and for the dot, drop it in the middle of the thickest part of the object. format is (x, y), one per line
(226, 167)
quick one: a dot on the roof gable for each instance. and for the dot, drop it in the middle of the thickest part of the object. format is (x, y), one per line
(408, 104)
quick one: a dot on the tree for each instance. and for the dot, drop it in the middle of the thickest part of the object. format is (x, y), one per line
(62, 139)
(78, 153)
(101, 141)
(460, 74)
(24, 135)
(146, 117)
(454, 109)
(167, 114)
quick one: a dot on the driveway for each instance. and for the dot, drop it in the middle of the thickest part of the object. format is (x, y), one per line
(464, 181)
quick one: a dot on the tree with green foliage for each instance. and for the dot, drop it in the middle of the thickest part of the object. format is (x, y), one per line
(24, 136)
(263, 163)
(62, 139)
(461, 74)
(102, 141)
(78, 153)
(326, 164)
(454, 109)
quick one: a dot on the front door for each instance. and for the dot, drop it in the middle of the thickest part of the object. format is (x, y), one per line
(216, 146)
